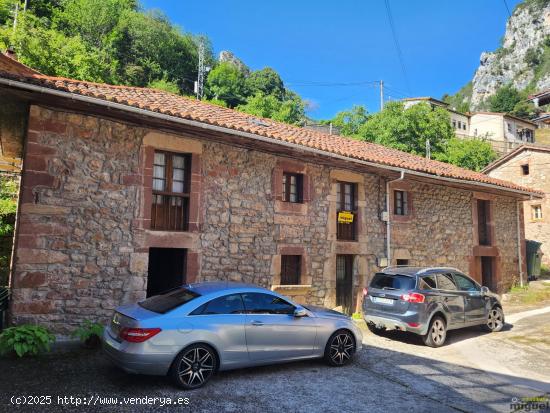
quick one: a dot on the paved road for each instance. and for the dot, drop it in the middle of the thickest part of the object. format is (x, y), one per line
(393, 373)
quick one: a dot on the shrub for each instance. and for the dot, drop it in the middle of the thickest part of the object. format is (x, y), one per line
(25, 339)
(89, 333)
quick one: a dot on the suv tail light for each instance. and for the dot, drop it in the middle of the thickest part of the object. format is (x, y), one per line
(413, 298)
(138, 335)
(365, 291)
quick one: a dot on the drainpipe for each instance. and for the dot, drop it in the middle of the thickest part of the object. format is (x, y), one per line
(520, 257)
(388, 221)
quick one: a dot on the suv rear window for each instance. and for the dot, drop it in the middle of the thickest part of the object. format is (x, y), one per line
(392, 282)
(166, 302)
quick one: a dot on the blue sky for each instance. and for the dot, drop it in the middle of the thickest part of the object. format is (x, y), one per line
(315, 44)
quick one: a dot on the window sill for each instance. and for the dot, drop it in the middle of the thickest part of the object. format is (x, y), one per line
(291, 207)
(291, 288)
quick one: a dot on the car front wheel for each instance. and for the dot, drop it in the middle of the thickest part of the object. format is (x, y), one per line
(495, 320)
(340, 348)
(437, 333)
(194, 366)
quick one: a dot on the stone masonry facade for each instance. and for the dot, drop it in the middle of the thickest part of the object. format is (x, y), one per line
(84, 235)
(536, 162)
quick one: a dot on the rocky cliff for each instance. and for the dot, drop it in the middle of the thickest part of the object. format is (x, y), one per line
(523, 60)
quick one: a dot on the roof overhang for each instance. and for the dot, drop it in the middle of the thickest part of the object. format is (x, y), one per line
(35, 94)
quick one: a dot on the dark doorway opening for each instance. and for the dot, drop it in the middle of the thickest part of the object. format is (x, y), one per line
(344, 282)
(402, 262)
(487, 272)
(166, 269)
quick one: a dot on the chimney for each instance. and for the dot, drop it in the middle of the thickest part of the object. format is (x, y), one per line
(10, 52)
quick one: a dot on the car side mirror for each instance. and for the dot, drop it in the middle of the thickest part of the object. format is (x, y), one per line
(484, 290)
(300, 312)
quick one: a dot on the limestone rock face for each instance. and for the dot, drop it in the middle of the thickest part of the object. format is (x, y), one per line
(227, 56)
(526, 32)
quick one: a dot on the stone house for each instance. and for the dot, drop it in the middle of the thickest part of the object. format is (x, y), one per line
(529, 166)
(129, 191)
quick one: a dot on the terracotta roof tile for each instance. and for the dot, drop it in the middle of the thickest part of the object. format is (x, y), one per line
(191, 109)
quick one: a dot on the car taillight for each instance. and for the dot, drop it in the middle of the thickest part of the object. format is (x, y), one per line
(365, 291)
(413, 298)
(138, 335)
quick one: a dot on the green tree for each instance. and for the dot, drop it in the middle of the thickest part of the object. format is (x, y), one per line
(266, 82)
(349, 122)
(470, 154)
(227, 82)
(504, 99)
(290, 110)
(166, 85)
(408, 129)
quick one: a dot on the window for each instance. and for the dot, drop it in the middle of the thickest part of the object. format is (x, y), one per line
(454, 124)
(291, 266)
(536, 212)
(427, 282)
(383, 281)
(484, 234)
(292, 187)
(445, 282)
(400, 206)
(346, 199)
(465, 284)
(464, 126)
(525, 169)
(170, 191)
(168, 301)
(509, 125)
(259, 303)
(459, 125)
(402, 262)
(229, 304)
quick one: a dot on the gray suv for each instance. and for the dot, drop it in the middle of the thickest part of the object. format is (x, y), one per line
(429, 302)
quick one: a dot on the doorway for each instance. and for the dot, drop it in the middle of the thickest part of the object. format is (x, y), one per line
(344, 282)
(166, 269)
(488, 272)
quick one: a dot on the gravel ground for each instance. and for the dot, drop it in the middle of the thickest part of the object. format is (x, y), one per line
(393, 373)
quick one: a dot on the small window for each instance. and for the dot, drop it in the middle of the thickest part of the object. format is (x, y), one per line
(291, 266)
(445, 282)
(454, 124)
(536, 212)
(464, 126)
(229, 304)
(400, 204)
(292, 187)
(465, 284)
(509, 126)
(259, 303)
(525, 169)
(402, 262)
(427, 282)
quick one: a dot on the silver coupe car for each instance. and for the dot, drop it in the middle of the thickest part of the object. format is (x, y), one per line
(191, 332)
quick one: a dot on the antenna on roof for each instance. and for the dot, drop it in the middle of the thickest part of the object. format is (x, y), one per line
(428, 149)
(199, 84)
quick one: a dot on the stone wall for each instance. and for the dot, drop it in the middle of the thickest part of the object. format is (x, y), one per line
(84, 235)
(13, 119)
(538, 178)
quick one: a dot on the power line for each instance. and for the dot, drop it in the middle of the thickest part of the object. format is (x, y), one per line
(396, 42)
(507, 8)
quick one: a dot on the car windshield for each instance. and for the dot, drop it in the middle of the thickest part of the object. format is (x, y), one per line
(166, 302)
(383, 281)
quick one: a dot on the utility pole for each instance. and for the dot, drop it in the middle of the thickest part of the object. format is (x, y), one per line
(381, 94)
(199, 84)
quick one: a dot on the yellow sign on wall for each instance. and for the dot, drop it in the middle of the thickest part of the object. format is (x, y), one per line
(345, 217)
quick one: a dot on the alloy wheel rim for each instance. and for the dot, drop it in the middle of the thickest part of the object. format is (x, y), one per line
(341, 348)
(495, 320)
(196, 366)
(438, 332)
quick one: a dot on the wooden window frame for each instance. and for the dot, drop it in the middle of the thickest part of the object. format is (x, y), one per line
(286, 183)
(347, 232)
(168, 196)
(484, 225)
(534, 214)
(401, 203)
(291, 272)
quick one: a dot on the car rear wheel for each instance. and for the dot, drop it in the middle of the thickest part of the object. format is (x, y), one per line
(437, 333)
(495, 320)
(375, 330)
(340, 348)
(194, 366)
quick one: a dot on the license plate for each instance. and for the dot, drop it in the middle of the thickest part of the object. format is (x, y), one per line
(381, 300)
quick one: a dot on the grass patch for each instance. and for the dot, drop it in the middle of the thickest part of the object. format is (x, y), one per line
(532, 294)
